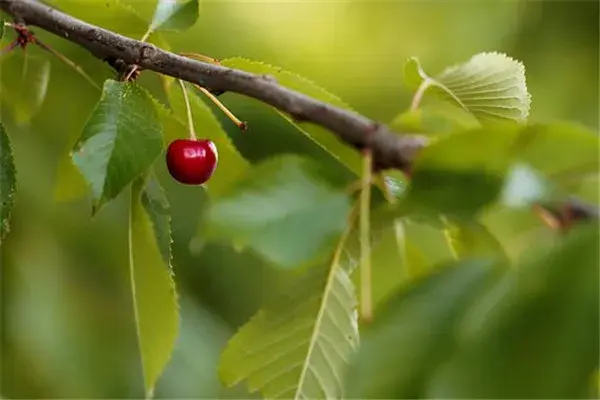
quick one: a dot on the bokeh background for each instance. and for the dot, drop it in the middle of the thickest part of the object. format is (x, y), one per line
(66, 315)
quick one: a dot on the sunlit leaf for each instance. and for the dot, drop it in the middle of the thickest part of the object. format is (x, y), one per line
(153, 288)
(231, 163)
(412, 332)
(283, 210)
(119, 142)
(540, 322)
(8, 181)
(175, 15)
(349, 157)
(490, 85)
(24, 84)
(298, 347)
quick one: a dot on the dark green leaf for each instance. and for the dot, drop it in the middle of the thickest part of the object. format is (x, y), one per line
(460, 174)
(346, 155)
(154, 295)
(536, 333)
(283, 210)
(414, 331)
(8, 181)
(120, 141)
(175, 15)
(298, 347)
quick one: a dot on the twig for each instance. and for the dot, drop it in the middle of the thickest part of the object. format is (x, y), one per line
(390, 150)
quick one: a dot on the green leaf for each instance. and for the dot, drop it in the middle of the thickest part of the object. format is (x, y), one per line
(8, 181)
(460, 174)
(347, 156)
(299, 346)
(439, 118)
(490, 85)
(113, 15)
(231, 163)
(175, 15)
(24, 84)
(535, 335)
(414, 332)
(283, 210)
(154, 295)
(120, 141)
(472, 240)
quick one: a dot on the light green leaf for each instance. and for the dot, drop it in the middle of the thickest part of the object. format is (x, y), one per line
(24, 84)
(539, 322)
(114, 15)
(472, 240)
(414, 332)
(120, 141)
(298, 347)
(439, 118)
(490, 85)
(347, 156)
(175, 15)
(283, 210)
(231, 163)
(8, 181)
(154, 294)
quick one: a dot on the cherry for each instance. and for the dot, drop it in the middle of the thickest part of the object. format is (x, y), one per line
(191, 161)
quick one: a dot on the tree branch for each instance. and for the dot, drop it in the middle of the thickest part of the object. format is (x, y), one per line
(390, 150)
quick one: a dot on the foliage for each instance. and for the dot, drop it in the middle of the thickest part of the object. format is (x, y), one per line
(474, 295)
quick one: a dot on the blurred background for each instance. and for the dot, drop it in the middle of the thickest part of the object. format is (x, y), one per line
(66, 316)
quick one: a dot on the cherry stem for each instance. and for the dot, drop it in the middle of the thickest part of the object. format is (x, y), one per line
(366, 307)
(188, 108)
(240, 124)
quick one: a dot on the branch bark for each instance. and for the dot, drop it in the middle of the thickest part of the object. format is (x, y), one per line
(390, 150)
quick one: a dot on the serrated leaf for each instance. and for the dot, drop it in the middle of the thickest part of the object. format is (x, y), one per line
(414, 332)
(490, 85)
(156, 205)
(347, 156)
(8, 182)
(24, 84)
(175, 15)
(283, 210)
(119, 142)
(299, 347)
(231, 163)
(539, 322)
(154, 294)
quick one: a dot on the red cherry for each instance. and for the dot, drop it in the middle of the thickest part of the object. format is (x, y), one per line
(192, 162)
